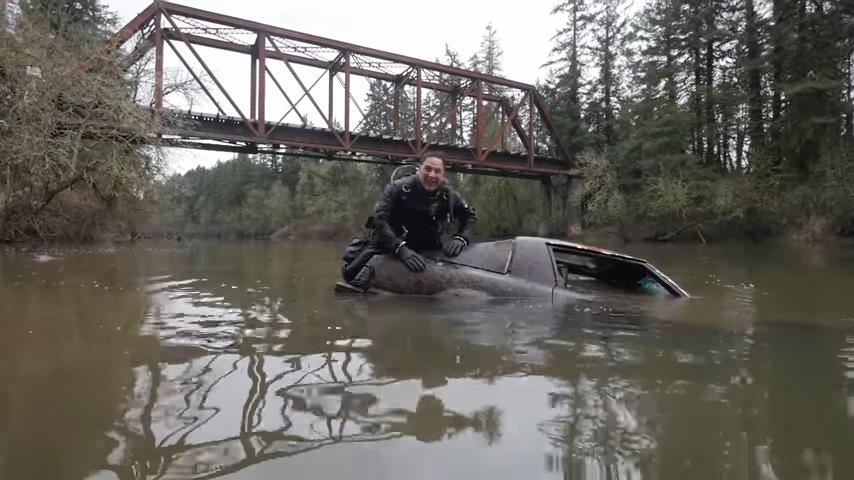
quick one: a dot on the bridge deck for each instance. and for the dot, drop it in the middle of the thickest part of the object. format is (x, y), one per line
(231, 134)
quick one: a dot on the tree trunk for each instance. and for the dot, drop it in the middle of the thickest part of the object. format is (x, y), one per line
(695, 47)
(778, 35)
(723, 148)
(711, 159)
(739, 149)
(607, 84)
(670, 56)
(755, 128)
(573, 61)
(698, 103)
(849, 108)
(574, 74)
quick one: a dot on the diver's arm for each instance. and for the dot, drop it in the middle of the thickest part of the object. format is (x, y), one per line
(466, 215)
(386, 237)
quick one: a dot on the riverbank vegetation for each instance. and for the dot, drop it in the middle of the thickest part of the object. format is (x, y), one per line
(723, 116)
(72, 161)
(256, 196)
(697, 119)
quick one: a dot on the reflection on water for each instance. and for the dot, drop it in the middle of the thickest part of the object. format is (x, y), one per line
(238, 361)
(300, 404)
(847, 356)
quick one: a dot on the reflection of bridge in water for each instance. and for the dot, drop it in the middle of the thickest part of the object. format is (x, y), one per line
(320, 400)
(608, 394)
(197, 388)
(480, 123)
(225, 399)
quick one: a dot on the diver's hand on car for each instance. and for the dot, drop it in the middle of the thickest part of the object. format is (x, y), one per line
(455, 247)
(412, 260)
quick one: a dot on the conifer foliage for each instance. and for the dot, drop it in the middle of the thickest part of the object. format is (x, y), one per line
(710, 112)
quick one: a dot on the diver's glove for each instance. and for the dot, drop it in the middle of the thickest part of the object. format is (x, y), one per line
(412, 260)
(455, 246)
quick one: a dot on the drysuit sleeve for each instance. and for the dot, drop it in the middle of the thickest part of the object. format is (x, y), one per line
(466, 215)
(385, 235)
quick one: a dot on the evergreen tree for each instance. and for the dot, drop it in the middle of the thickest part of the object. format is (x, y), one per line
(752, 65)
(563, 88)
(607, 52)
(379, 114)
(87, 21)
(489, 57)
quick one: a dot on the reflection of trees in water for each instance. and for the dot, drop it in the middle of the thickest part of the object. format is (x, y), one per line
(806, 401)
(847, 355)
(672, 403)
(64, 360)
(310, 402)
(644, 402)
(599, 431)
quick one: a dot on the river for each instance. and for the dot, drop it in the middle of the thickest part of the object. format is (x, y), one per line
(237, 360)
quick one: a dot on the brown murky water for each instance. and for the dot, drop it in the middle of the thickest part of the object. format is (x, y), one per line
(210, 360)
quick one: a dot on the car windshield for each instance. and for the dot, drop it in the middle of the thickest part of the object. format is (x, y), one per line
(490, 256)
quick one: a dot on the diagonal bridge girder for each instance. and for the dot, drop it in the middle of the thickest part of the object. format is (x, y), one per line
(480, 123)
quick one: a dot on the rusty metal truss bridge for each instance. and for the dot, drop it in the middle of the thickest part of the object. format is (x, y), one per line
(264, 89)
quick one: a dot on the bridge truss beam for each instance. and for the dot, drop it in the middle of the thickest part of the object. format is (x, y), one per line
(479, 123)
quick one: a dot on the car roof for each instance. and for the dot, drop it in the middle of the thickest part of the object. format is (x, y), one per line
(531, 258)
(577, 246)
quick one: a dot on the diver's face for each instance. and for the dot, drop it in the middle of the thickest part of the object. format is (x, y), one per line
(432, 173)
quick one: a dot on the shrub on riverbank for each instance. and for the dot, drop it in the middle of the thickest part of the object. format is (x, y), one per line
(693, 203)
(72, 164)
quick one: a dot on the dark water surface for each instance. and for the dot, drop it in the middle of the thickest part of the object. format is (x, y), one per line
(210, 360)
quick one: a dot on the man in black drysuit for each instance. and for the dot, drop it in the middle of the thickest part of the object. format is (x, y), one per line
(408, 219)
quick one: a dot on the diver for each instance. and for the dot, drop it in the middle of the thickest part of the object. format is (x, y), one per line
(408, 220)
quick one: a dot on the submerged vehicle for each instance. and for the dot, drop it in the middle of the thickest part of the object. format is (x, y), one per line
(522, 267)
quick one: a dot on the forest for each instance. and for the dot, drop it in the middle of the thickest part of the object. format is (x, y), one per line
(691, 119)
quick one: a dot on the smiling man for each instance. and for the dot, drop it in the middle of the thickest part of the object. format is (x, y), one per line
(409, 219)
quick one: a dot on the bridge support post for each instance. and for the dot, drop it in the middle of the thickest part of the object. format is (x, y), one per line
(572, 207)
(568, 193)
(253, 84)
(544, 226)
(158, 68)
(261, 48)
